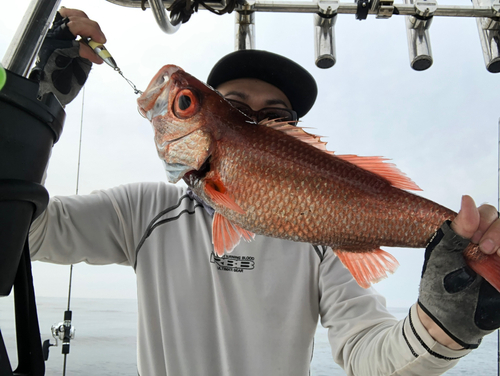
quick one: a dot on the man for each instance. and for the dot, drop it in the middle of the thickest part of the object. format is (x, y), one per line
(256, 311)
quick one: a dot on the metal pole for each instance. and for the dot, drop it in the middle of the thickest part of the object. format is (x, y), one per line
(498, 208)
(29, 36)
(245, 30)
(161, 17)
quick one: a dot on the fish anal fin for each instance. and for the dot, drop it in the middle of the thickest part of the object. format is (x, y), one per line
(227, 235)
(368, 267)
(487, 266)
(216, 190)
(386, 170)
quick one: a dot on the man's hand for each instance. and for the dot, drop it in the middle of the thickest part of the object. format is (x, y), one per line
(481, 226)
(450, 292)
(80, 25)
(63, 64)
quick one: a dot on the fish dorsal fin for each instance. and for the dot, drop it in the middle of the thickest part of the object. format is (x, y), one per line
(368, 267)
(386, 170)
(216, 190)
(297, 132)
(376, 165)
(227, 235)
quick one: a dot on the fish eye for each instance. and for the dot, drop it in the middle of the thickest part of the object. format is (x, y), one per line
(186, 104)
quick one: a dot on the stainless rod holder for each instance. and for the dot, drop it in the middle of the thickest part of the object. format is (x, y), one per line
(417, 31)
(419, 15)
(245, 30)
(489, 34)
(324, 41)
(29, 36)
(344, 8)
(324, 33)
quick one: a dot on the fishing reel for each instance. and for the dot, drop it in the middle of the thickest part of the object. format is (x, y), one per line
(63, 331)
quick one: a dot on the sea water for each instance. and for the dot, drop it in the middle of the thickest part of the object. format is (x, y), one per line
(105, 340)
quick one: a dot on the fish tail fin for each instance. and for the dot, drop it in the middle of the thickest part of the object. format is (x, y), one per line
(487, 266)
(226, 235)
(368, 266)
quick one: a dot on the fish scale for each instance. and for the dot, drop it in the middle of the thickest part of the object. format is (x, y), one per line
(276, 180)
(360, 188)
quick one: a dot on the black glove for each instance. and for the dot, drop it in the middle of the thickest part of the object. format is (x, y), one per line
(459, 300)
(59, 68)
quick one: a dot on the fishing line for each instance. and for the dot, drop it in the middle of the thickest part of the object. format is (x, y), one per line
(68, 312)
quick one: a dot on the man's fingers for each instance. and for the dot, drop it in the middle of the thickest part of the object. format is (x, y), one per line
(67, 12)
(80, 24)
(86, 28)
(488, 215)
(468, 219)
(490, 240)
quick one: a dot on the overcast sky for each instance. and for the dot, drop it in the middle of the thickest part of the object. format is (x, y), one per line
(439, 126)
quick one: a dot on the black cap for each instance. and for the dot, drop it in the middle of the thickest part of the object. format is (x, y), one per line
(293, 80)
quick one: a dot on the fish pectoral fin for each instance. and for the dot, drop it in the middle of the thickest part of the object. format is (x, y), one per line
(227, 235)
(368, 266)
(217, 192)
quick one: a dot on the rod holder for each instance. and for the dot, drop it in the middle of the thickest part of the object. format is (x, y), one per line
(324, 40)
(417, 31)
(324, 34)
(245, 30)
(489, 34)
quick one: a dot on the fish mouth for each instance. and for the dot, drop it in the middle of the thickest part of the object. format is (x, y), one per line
(175, 171)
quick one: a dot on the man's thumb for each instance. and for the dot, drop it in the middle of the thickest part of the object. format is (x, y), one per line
(467, 221)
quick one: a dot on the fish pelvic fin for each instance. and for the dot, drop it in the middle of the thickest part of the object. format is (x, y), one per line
(487, 266)
(387, 171)
(227, 235)
(368, 267)
(216, 190)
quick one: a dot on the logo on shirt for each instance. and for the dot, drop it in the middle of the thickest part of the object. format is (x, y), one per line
(230, 263)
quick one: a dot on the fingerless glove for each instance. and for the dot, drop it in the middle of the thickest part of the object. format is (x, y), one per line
(460, 301)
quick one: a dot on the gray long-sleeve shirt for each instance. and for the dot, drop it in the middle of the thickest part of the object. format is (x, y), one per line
(252, 312)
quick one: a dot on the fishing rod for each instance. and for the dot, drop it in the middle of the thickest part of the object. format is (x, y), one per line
(65, 331)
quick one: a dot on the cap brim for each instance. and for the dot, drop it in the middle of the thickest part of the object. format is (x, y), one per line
(293, 80)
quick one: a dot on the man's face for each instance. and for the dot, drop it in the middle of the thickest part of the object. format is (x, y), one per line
(255, 93)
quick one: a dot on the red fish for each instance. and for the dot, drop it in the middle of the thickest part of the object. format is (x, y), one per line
(274, 179)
